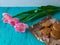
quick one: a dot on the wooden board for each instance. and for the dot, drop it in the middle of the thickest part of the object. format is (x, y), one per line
(35, 30)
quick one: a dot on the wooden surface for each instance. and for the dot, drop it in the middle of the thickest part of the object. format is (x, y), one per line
(8, 35)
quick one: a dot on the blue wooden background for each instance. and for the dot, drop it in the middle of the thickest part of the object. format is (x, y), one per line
(8, 35)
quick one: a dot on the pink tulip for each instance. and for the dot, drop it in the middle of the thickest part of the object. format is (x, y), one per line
(21, 27)
(6, 17)
(13, 21)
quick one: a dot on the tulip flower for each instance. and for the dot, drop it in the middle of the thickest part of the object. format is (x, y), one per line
(13, 21)
(21, 27)
(6, 17)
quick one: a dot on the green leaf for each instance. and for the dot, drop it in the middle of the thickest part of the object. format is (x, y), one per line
(24, 17)
(48, 7)
(27, 12)
(42, 11)
(27, 18)
(49, 12)
(33, 16)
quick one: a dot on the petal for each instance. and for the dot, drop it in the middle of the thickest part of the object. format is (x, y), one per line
(21, 27)
(4, 20)
(26, 26)
(6, 15)
(18, 30)
(13, 21)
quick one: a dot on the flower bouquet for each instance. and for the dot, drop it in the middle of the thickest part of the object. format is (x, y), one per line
(20, 24)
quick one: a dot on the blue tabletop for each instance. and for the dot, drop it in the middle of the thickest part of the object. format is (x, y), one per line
(8, 35)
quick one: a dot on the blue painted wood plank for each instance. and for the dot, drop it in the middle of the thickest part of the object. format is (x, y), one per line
(8, 35)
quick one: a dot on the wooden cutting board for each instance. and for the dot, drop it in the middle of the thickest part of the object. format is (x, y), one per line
(35, 30)
(39, 36)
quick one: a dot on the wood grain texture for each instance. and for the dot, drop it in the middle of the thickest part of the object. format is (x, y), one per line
(8, 35)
